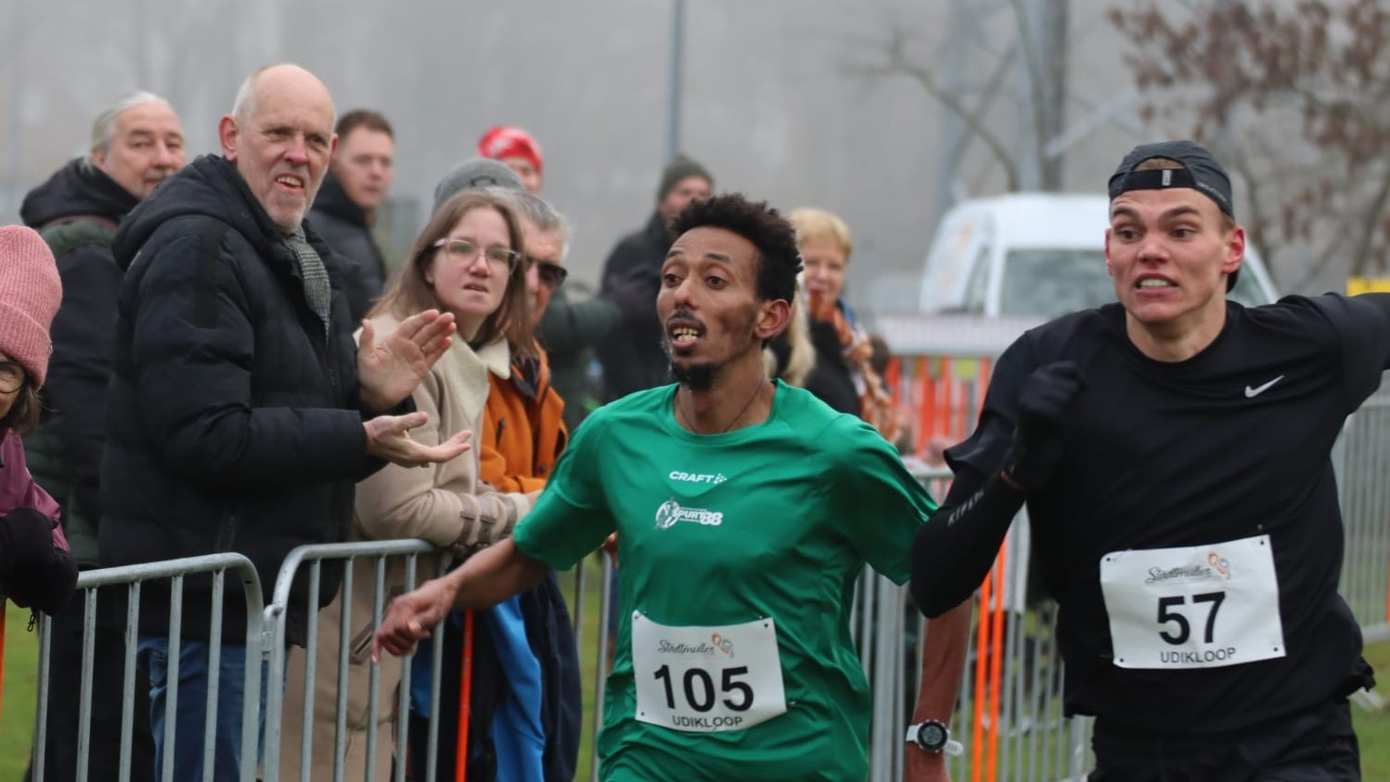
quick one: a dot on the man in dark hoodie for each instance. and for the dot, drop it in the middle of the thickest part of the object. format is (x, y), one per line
(240, 412)
(359, 177)
(633, 358)
(136, 145)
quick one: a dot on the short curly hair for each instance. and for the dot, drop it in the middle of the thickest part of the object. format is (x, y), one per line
(778, 259)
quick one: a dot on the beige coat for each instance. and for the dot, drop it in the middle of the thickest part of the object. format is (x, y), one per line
(444, 504)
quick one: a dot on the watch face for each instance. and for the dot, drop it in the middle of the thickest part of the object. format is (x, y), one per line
(932, 735)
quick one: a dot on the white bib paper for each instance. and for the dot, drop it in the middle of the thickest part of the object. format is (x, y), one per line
(707, 679)
(1196, 607)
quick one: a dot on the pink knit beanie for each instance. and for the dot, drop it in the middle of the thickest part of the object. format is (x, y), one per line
(29, 295)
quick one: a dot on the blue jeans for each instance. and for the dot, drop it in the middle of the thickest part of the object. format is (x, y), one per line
(192, 706)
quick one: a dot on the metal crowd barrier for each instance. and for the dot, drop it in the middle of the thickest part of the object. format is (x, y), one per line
(135, 575)
(276, 616)
(1009, 709)
(1361, 460)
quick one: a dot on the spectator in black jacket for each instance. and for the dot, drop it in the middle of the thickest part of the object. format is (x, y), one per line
(241, 412)
(136, 145)
(633, 357)
(359, 177)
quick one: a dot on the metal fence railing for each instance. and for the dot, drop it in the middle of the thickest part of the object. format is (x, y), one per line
(134, 576)
(1362, 462)
(1009, 710)
(378, 554)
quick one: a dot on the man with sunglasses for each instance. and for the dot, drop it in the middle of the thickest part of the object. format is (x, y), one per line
(570, 328)
(524, 428)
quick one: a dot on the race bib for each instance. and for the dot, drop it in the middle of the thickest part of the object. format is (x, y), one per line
(707, 679)
(1196, 607)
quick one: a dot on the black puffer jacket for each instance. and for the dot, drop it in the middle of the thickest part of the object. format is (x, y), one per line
(233, 420)
(634, 356)
(77, 210)
(343, 224)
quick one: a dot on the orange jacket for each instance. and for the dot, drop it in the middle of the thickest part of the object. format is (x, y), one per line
(523, 428)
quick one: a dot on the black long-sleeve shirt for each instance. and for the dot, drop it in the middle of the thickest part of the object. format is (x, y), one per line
(1211, 455)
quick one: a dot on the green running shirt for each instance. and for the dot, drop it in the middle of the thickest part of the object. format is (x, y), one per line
(769, 521)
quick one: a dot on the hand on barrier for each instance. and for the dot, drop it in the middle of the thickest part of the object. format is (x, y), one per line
(390, 370)
(1046, 397)
(412, 616)
(388, 437)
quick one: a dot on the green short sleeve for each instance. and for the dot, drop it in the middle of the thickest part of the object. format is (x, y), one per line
(571, 518)
(880, 502)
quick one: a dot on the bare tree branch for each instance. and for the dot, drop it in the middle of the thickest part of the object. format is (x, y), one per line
(899, 63)
(1316, 74)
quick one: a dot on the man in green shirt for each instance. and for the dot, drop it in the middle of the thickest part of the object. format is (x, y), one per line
(744, 509)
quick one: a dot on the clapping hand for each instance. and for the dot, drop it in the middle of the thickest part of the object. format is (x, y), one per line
(390, 370)
(388, 437)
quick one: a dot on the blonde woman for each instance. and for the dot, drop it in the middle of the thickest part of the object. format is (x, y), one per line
(843, 375)
(466, 261)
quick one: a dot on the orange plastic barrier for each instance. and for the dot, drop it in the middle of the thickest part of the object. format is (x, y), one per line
(977, 743)
(989, 639)
(940, 397)
(465, 692)
(996, 657)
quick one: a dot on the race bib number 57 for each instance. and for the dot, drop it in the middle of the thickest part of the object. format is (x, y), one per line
(707, 679)
(1196, 607)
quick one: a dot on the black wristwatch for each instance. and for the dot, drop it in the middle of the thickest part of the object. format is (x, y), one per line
(932, 736)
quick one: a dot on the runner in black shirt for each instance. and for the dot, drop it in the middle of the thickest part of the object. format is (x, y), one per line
(1174, 453)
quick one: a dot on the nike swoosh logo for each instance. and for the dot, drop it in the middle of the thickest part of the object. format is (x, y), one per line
(1251, 393)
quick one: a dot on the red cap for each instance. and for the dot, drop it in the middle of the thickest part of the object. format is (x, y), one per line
(504, 141)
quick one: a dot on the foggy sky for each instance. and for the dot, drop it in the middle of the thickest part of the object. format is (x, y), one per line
(768, 106)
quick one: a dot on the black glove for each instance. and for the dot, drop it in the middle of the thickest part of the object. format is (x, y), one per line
(1042, 406)
(34, 572)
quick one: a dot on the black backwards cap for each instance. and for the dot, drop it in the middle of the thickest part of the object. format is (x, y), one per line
(1199, 171)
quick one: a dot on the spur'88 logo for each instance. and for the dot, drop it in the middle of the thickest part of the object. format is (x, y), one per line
(670, 512)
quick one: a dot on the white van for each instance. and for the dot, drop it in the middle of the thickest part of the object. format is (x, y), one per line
(1035, 256)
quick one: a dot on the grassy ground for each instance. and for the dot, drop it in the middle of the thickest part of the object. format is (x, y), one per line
(1373, 730)
(21, 657)
(17, 697)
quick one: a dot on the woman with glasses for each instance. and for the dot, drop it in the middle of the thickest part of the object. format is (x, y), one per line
(525, 711)
(466, 261)
(36, 569)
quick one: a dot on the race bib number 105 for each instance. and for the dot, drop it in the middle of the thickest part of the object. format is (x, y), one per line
(707, 679)
(1196, 607)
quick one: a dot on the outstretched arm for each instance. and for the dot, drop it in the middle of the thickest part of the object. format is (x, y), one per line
(952, 553)
(486, 579)
(946, 640)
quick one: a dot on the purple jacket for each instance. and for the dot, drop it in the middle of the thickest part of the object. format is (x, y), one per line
(37, 570)
(17, 487)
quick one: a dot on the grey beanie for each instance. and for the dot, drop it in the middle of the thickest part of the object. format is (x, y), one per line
(681, 167)
(472, 174)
